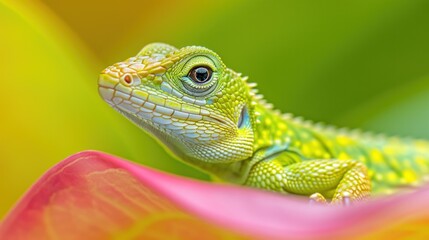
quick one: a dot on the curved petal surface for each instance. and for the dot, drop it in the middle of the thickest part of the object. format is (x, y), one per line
(92, 195)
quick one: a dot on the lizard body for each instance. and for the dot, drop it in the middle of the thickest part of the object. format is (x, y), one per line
(210, 117)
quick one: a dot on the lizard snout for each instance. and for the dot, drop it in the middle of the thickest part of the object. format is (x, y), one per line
(106, 86)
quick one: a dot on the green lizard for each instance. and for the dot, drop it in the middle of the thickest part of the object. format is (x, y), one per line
(210, 117)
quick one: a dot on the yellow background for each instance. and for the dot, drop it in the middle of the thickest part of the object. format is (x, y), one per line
(355, 63)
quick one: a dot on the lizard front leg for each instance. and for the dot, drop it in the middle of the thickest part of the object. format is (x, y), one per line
(332, 179)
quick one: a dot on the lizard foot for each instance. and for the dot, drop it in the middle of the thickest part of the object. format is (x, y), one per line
(343, 200)
(317, 198)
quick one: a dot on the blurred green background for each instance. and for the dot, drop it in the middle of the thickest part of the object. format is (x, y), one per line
(351, 63)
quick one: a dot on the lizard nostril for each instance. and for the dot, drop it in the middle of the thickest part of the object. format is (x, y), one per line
(128, 79)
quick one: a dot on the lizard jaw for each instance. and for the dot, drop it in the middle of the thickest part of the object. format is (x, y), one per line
(147, 111)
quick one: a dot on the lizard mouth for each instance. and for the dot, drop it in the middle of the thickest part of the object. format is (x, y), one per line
(149, 105)
(163, 122)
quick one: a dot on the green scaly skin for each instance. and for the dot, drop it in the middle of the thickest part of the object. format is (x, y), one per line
(224, 128)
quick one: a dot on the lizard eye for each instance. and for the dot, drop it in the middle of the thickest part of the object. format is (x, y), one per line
(200, 80)
(200, 74)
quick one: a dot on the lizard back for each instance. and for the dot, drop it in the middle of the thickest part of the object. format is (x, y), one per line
(391, 161)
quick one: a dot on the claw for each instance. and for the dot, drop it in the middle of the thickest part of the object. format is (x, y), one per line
(317, 199)
(346, 201)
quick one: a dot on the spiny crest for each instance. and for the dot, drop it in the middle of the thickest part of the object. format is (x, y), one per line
(329, 128)
(319, 126)
(252, 86)
(259, 98)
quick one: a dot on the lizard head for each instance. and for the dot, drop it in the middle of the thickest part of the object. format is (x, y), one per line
(187, 99)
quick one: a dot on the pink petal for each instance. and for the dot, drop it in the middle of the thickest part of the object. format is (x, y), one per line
(93, 195)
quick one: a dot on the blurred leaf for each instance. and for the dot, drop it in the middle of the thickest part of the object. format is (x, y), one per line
(403, 111)
(321, 59)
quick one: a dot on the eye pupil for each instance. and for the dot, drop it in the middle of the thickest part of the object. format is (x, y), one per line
(201, 74)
